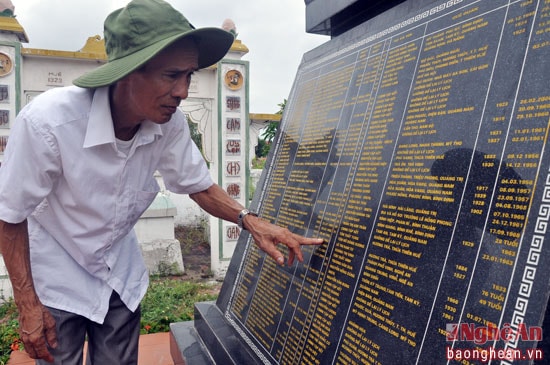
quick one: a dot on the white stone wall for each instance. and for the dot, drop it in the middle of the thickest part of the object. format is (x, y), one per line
(39, 74)
(6, 290)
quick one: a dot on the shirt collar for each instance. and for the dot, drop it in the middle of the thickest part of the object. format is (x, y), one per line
(100, 129)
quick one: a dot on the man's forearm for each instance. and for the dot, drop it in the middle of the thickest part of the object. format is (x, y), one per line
(267, 236)
(36, 324)
(216, 202)
(14, 246)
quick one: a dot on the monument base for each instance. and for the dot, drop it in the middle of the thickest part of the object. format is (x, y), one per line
(209, 339)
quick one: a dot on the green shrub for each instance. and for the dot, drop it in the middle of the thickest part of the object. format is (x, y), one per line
(9, 330)
(171, 300)
(258, 163)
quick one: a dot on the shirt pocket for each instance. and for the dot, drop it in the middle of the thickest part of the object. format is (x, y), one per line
(142, 200)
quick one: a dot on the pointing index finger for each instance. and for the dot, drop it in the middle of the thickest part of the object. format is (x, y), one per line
(295, 250)
(311, 241)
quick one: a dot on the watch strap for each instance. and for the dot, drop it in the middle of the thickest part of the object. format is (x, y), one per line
(240, 219)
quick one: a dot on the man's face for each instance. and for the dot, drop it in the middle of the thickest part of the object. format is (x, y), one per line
(155, 91)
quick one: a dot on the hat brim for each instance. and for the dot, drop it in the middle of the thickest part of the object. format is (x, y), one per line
(212, 45)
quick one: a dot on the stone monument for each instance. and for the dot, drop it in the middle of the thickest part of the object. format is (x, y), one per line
(416, 145)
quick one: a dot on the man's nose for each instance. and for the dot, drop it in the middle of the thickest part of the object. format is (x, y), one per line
(181, 89)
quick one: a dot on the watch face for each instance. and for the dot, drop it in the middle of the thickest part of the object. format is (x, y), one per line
(5, 64)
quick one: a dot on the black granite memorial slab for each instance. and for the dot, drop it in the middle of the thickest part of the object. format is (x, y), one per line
(417, 147)
(333, 18)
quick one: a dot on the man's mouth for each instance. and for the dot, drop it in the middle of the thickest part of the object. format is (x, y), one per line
(171, 109)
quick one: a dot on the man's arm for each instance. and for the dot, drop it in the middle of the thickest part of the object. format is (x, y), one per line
(267, 236)
(36, 325)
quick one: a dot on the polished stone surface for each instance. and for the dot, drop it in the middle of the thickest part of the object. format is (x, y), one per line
(416, 146)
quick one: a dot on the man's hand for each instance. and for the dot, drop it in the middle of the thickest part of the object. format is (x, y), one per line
(37, 330)
(267, 236)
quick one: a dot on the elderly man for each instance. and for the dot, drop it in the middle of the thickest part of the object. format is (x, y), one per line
(79, 171)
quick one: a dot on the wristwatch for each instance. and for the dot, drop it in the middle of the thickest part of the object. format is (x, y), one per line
(240, 218)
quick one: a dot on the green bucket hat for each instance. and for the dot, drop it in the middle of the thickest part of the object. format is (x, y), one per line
(139, 31)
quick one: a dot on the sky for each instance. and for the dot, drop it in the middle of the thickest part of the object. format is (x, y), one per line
(273, 31)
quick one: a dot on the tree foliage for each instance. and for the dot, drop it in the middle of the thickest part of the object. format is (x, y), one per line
(269, 133)
(271, 130)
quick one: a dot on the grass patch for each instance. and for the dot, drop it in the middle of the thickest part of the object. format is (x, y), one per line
(258, 163)
(166, 301)
(172, 300)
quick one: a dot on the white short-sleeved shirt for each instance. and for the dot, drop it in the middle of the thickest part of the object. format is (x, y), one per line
(82, 197)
